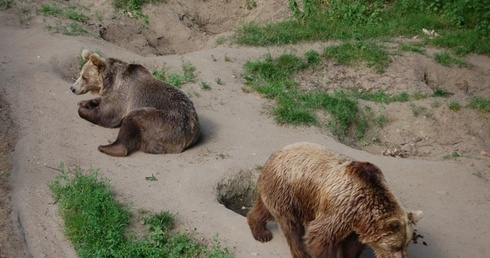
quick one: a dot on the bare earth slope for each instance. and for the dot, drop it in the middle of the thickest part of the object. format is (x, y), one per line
(34, 80)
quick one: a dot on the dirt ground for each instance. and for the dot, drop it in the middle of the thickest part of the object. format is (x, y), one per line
(40, 128)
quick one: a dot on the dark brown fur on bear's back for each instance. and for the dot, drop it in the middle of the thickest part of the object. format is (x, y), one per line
(370, 175)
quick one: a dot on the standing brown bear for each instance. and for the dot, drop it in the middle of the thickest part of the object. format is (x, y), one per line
(344, 205)
(154, 116)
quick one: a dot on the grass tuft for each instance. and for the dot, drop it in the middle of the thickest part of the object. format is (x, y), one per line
(371, 53)
(454, 106)
(481, 104)
(175, 79)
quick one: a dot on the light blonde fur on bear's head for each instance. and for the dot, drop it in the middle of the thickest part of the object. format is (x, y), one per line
(90, 78)
(388, 245)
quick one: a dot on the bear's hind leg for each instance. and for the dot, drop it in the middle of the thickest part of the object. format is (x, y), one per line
(128, 139)
(257, 219)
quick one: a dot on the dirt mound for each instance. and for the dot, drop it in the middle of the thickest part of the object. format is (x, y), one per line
(424, 126)
(185, 26)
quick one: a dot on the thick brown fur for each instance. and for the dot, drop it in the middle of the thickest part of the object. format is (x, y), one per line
(328, 205)
(154, 116)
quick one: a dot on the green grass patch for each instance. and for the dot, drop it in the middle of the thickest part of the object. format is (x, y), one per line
(454, 106)
(452, 155)
(177, 79)
(218, 81)
(96, 223)
(481, 104)
(272, 77)
(380, 96)
(369, 52)
(462, 26)
(72, 12)
(447, 59)
(414, 47)
(51, 10)
(419, 110)
(438, 92)
(6, 4)
(204, 85)
(135, 6)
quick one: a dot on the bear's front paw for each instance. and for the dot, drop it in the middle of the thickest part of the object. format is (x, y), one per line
(89, 104)
(262, 235)
(84, 103)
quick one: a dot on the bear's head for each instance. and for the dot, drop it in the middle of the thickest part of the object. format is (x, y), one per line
(394, 236)
(91, 74)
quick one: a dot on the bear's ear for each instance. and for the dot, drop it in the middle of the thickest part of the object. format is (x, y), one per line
(414, 216)
(97, 61)
(85, 54)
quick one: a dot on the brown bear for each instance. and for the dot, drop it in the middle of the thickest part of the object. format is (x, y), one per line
(154, 116)
(336, 204)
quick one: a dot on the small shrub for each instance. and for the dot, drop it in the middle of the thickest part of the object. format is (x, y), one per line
(205, 85)
(6, 4)
(435, 104)
(418, 110)
(452, 155)
(454, 106)
(218, 81)
(438, 92)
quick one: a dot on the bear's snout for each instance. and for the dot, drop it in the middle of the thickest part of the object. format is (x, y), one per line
(72, 89)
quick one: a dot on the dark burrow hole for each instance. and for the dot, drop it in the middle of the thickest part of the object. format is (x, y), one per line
(237, 191)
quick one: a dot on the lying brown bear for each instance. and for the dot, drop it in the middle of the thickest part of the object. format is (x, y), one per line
(344, 204)
(154, 116)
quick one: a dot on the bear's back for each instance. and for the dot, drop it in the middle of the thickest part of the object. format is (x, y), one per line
(318, 178)
(142, 89)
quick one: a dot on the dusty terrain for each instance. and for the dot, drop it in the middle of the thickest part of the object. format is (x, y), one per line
(40, 128)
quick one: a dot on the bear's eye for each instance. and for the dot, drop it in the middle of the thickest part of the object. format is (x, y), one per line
(396, 248)
(84, 78)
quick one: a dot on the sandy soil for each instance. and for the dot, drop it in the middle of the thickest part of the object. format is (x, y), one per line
(38, 66)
